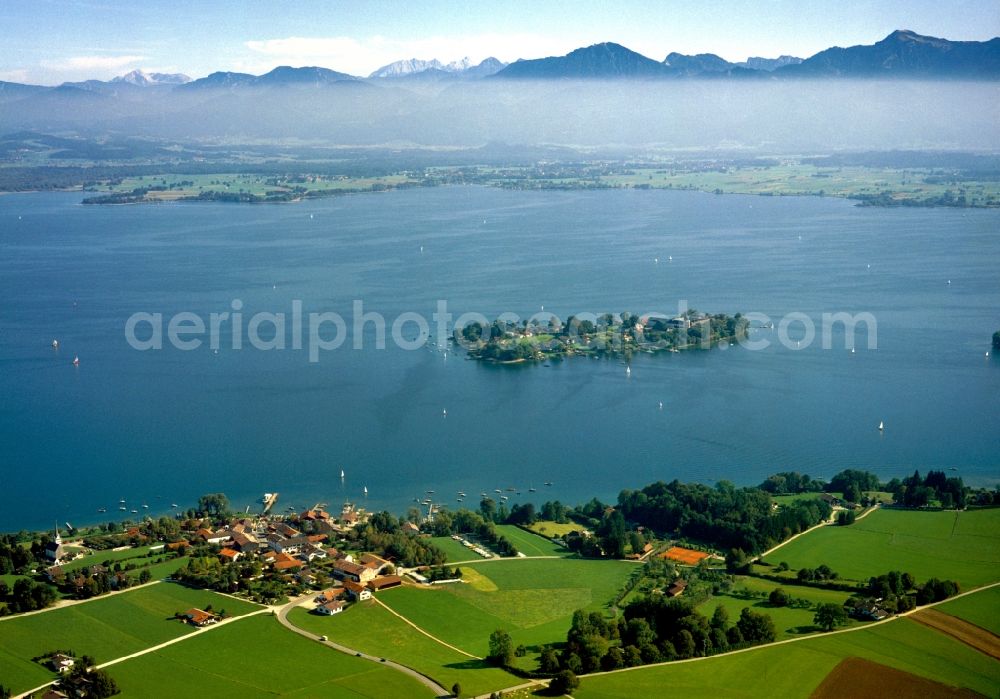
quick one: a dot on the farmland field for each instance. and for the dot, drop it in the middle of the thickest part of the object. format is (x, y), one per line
(532, 599)
(370, 628)
(530, 544)
(981, 609)
(105, 628)
(253, 658)
(790, 622)
(454, 550)
(960, 546)
(901, 643)
(547, 528)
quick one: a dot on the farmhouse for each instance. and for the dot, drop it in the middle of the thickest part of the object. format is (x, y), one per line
(199, 617)
(677, 588)
(61, 662)
(357, 591)
(348, 570)
(329, 594)
(229, 555)
(372, 561)
(330, 608)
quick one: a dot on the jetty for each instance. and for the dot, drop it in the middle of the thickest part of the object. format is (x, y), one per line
(269, 500)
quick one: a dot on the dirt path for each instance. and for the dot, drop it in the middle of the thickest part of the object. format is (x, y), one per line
(425, 633)
(63, 603)
(417, 675)
(961, 630)
(153, 649)
(825, 523)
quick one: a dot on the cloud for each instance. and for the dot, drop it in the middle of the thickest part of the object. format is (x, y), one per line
(18, 75)
(362, 56)
(84, 63)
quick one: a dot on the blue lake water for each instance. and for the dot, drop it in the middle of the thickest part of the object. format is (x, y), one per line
(158, 427)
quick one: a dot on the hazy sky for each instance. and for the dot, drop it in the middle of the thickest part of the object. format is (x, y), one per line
(51, 41)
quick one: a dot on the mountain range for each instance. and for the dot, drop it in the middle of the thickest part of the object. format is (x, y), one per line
(902, 54)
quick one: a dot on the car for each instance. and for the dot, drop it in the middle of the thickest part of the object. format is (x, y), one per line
(381, 660)
(323, 638)
(358, 654)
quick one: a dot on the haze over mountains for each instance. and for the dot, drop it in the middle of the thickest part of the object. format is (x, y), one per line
(904, 91)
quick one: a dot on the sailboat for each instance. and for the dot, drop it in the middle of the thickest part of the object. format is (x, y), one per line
(881, 426)
(628, 371)
(366, 490)
(341, 473)
(76, 361)
(55, 344)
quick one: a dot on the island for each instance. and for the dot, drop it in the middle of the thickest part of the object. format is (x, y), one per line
(608, 335)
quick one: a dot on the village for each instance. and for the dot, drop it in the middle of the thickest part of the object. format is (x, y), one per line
(290, 554)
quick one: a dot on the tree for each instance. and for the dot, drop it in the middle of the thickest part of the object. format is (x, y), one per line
(501, 648)
(829, 615)
(213, 504)
(564, 683)
(996, 341)
(755, 627)
(456, 689)
(548, 661)
(737, 561)
(145, 576)
(778, 598)
(720, 618)
(685, 644)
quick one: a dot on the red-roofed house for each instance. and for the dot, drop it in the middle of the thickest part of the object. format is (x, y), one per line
(357, 591)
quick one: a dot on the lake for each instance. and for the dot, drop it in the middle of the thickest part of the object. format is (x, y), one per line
(162, 427)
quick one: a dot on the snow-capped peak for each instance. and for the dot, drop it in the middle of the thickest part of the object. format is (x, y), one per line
(142, 78)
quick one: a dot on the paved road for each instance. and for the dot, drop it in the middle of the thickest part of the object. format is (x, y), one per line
(423, 679)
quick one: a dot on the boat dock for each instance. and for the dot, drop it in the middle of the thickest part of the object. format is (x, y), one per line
(269, 500)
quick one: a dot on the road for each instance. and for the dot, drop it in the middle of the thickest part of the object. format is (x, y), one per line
(423, 679)
(828, 523)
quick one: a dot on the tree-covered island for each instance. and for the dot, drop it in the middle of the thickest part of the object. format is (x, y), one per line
(607, 335)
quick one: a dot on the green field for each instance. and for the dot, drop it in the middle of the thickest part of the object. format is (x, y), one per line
(248, 183)
(257, 657)
(796, 669)
(372, 629)
(790, 622)
(531, 544)
(960, 546)
(981, 609)
(547, 528)
(532, 599)
(454, 549)
(101, 557)
(105, 628)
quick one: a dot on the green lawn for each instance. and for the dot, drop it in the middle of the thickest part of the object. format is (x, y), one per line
(532, 599)
(454, 549)
(961, 546)
(790, 622)
(531, 544)
(370, 628)
(548, 528)
(257, 657)
(981, 609)
(796, 669)
(100, 557)
(105, 628)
